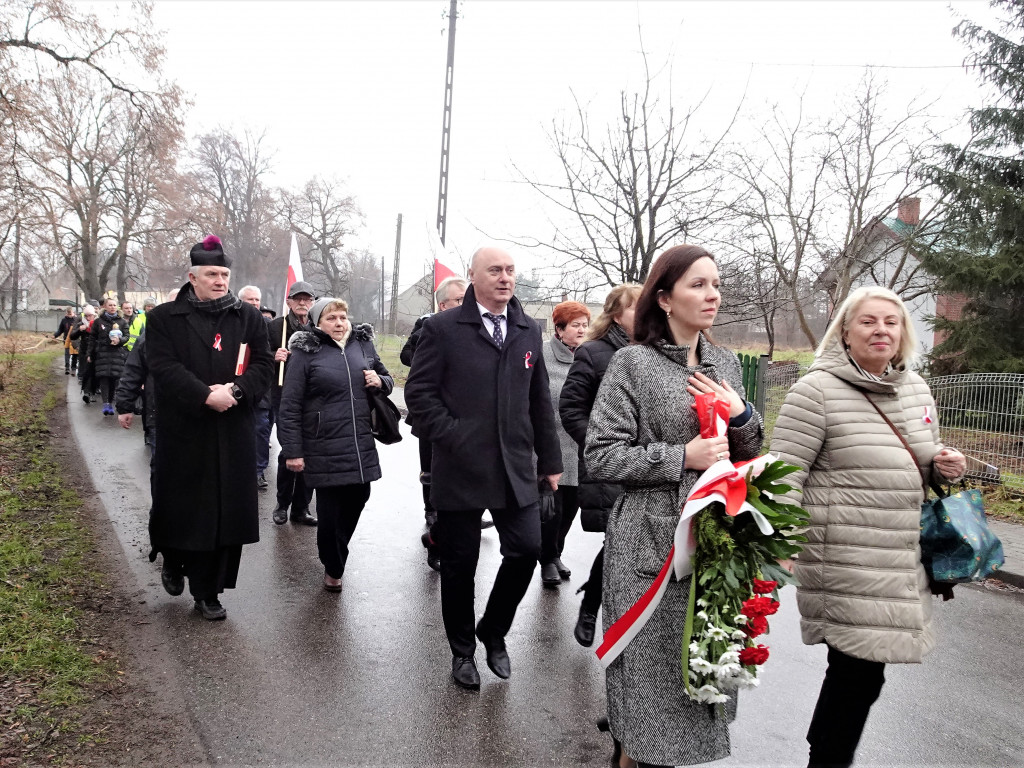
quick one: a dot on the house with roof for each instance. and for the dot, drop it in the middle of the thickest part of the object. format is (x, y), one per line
(885, 253)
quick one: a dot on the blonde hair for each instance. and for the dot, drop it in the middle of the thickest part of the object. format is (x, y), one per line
(840, 324)
(621, 298)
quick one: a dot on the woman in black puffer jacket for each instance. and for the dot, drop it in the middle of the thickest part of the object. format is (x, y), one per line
(108, 334)
(610, 332)
(324, 424)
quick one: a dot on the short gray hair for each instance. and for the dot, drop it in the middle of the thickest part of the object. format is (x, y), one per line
(441, 294)
(248, 289)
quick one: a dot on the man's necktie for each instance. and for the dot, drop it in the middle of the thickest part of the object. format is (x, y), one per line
(496, 321)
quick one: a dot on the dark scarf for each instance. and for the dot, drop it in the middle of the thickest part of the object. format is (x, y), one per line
(227, 301)
(616, 336)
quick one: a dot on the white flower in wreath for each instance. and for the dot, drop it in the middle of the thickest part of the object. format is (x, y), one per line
(747, 680)
(708, 694)
(738, 634)
(701, 602)
(702, 666)
(727, 671)
(729, 657)
(716, 633)
(740, 620)
(702, 615)
(694, 649)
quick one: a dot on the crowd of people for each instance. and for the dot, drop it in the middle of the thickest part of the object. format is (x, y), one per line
(596, 421)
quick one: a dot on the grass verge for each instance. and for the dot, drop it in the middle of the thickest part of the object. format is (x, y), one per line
(48, 670)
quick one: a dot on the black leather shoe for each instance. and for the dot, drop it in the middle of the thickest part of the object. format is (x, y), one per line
(585, 624)
(464, 673)
(261, 482)
(563, 570)
(173, 582)
(433, 558)
(211, 609)
(303, 517)
(280, 516)
(549, 575)
(497, 657)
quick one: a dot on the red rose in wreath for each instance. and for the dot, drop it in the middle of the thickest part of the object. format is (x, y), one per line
(758, 625)
(754, 656)
(763, 587)
(760, 606)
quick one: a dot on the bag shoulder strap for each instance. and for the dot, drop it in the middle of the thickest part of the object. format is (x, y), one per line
(906, 444)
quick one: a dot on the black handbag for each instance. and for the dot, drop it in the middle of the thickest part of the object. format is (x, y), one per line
(384, 417)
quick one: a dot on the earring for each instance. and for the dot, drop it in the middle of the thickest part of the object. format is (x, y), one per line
(668, 313)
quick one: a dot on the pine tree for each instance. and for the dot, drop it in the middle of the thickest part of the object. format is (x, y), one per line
(982, 257)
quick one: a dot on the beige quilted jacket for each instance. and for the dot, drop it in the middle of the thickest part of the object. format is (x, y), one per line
(862, 587)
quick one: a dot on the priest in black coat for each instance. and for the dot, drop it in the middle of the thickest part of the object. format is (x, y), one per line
(211, 363)
(478, 391)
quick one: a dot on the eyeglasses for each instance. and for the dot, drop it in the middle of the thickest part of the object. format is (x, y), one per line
(303, 299)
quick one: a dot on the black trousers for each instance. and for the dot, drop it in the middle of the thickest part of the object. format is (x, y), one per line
(338, 508)
(292, 491)
(107, 385)
(554, 531)
(850, 687)
(426, 452)
(457, 534)
(592, 589)
(209, 573)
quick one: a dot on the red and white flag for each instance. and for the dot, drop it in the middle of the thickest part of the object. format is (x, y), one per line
(294, 271)
(441, 272)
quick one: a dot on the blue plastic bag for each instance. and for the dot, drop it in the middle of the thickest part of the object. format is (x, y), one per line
(956, 543)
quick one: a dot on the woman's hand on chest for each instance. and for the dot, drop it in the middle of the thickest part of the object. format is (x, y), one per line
(699, 384)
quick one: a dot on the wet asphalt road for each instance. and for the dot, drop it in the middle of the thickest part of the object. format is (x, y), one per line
(298, 676)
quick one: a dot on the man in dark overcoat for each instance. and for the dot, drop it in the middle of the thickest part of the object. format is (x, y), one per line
(293, 495)
(449, 294)
(204, 501)
(479, 393)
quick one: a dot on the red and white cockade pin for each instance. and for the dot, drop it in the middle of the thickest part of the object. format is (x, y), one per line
(526, 360)
(216, 342)
(927, 419)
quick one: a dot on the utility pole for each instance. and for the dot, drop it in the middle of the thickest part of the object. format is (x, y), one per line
(16, 275)
(446, 126)
(394, 278)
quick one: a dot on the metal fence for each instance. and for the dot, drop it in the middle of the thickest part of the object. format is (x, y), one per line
(980, 414)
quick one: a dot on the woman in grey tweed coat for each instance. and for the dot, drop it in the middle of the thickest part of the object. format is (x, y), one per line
(644, 434)
(571, 320)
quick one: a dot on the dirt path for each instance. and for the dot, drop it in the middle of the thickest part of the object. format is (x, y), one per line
(140, 718)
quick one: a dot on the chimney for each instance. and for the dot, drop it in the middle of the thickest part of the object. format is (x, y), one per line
(910, 211)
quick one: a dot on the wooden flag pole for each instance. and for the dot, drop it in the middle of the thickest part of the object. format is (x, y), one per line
(284, 341)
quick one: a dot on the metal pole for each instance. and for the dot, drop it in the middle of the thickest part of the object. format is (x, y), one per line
(394, 278)
(446, 125)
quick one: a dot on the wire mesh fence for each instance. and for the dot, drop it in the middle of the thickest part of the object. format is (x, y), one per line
(980, 414)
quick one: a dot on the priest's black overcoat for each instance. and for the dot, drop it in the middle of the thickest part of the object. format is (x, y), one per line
(204, 485)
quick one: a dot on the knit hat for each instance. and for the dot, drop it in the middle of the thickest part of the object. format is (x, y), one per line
(209, 253)
(320, 305)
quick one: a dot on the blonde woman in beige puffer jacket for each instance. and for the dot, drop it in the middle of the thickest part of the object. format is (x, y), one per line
(862, 589)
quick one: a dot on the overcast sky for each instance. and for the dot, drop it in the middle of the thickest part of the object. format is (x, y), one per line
(355, 89)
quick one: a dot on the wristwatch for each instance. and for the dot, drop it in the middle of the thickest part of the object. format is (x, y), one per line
(237, 393)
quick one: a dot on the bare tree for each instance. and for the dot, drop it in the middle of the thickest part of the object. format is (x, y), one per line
(228, 195)
(814, 196)
(629, 189)
(325, 215)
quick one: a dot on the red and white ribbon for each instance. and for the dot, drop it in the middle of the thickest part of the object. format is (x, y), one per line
(722, 482)
(216, 342)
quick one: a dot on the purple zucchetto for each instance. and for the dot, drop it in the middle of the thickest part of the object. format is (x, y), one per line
(209, 253)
